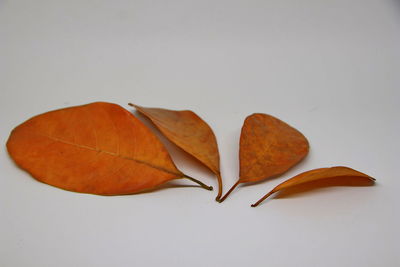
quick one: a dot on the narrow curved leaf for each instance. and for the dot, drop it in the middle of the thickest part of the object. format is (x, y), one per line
(98, 148)
(323, 177)
(268, 147)
(189, 132)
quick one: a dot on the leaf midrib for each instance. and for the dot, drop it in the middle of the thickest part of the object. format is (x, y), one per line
(111, 153)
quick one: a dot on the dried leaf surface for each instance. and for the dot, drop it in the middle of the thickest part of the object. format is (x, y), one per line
(98, 148)
(322, 177)
(189, 132)
(268, 147)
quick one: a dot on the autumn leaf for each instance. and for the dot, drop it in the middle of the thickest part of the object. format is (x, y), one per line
(189, 132)
(98, 148)
(334, 176)
(268, 147)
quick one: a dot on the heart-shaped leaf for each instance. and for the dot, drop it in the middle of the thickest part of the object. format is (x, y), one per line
(98, 148)
(189, 132)
(268, 147)
(322, 177)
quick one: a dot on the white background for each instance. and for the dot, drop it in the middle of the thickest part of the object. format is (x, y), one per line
(329, 68)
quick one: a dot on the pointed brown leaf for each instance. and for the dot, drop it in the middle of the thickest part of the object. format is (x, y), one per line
(268, 147)
(98, 148)
(189, 132)
(322, 177)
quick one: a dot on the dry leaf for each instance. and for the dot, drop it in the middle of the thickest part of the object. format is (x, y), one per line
(189, 132)
(98, 148)
(268, 147)
(323, 177)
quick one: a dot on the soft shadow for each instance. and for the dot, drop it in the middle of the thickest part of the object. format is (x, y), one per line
(164, 186)
(321, 185)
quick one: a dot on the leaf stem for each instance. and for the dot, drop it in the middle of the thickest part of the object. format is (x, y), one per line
(219, 178)
(210, 188)
(262, 199)
(227, 193)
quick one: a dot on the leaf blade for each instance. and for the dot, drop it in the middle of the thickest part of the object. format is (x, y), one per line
(342, 175)
(268, 147)
(189, 132)
(58, 145)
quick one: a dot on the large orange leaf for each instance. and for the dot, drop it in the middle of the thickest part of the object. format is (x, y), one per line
(189, 132)
(268, 147)
(334, 176)
(98, 148)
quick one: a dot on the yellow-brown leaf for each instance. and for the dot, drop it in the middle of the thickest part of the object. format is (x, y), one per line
(189, 132)
(322, 177)
(268, 147)
(98, 148)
